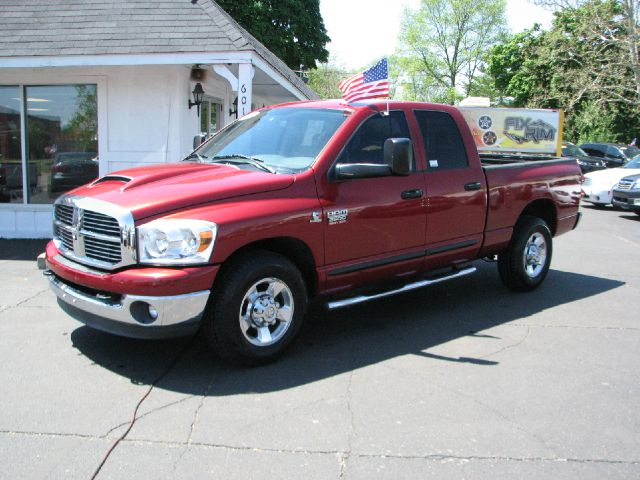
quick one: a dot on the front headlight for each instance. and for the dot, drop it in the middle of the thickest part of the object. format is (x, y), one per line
(176, 242)
(636, 185)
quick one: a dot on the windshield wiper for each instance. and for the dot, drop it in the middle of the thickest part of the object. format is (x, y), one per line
(201, 158)
(237, 158)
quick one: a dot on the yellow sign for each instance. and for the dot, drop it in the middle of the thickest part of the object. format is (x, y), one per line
(515, 129)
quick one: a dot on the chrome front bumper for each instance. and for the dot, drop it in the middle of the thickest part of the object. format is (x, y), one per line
(130, 315)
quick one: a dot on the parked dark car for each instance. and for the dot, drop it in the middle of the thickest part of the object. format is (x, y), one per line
(626, 194)
(73, 169)
(584, 161)
(615, 155)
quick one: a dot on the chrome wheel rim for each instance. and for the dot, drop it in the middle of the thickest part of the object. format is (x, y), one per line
(535, 255)
(266, 312)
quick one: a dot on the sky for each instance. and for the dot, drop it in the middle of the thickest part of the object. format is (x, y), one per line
(362, 31)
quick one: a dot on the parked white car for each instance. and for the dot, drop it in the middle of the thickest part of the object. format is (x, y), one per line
(598, 185)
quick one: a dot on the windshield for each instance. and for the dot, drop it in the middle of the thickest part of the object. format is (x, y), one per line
(570, 150)
(635, 163)
(284, 140)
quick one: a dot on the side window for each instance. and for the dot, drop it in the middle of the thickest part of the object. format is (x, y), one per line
(442, 141)
(614, 152)
(594, 151)
(366, 145)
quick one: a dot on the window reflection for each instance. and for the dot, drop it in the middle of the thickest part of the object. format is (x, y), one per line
(62, 139)
(10, 146)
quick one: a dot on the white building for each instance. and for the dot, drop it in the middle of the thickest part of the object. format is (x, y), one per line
(93, 86)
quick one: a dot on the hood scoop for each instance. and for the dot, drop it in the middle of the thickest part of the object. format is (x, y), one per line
(112, 178)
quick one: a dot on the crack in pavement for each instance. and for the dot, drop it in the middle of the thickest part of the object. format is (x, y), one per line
(485, 406)
(196, 414)
(336, 452)
(344, 457)
(154, 410)
(509, 347)
(586, 327)
(157, 380)
(6, 308)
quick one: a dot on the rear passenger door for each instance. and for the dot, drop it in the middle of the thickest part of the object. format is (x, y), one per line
(455, 191)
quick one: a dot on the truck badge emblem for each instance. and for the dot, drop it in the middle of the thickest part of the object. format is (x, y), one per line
(337, 216)
(76, 224)
(316, 217)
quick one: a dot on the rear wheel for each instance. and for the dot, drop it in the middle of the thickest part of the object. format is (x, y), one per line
(257, 308)
(524, 265)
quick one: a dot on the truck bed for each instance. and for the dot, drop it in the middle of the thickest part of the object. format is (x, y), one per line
(514, 182)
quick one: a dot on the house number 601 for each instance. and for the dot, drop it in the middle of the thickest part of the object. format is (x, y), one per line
(243, 98)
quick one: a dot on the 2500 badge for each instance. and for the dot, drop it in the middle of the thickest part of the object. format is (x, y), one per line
(337, 216)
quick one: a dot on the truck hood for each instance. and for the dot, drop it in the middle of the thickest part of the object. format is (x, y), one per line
(158, 189)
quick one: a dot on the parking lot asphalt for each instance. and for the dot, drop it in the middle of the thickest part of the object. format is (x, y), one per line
(460, 380)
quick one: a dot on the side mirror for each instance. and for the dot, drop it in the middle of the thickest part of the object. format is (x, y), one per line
(398, 154)
(199, 140)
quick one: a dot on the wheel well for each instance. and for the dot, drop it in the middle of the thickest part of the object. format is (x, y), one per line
(293, 249)
(544, 209)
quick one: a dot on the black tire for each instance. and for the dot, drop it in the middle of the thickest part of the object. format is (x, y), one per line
(521, 272)
(242, 291)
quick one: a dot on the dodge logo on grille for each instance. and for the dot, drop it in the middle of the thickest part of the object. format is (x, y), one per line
(77, 223)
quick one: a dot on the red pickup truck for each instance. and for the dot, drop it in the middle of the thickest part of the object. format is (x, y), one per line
(327, 200)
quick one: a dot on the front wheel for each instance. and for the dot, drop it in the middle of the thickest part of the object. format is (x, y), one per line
(524, 265)
(257, 308)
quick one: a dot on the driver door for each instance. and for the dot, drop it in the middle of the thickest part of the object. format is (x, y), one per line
(374, 226)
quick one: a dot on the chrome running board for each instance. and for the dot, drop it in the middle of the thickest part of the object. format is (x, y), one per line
(406, 288)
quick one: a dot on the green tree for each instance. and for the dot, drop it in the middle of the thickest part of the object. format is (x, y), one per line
(292, 29)
(516, 67)
(621, 29)
(444, 42)
(324, 80)
(574, 66)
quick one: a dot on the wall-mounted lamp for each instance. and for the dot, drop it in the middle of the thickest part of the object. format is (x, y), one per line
(234, 110)
(198, 95)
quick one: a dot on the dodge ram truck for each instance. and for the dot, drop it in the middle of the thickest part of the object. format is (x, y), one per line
(340, 203)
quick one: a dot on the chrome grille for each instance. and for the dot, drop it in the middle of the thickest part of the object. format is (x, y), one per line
(624, 184)
(94, 232)
(100, 223)
(100, 249)
(64, 214)
(65, 236)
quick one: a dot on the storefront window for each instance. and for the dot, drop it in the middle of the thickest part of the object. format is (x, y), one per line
(11, 190)
(62, 139)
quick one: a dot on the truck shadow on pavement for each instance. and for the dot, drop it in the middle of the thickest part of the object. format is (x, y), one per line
(338, 342)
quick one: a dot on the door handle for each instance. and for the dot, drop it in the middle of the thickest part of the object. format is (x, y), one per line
(408, 194)
(473, 186)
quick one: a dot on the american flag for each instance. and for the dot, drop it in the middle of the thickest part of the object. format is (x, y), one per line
(372, 83)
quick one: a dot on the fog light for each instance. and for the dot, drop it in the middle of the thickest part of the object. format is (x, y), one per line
(153, 313)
